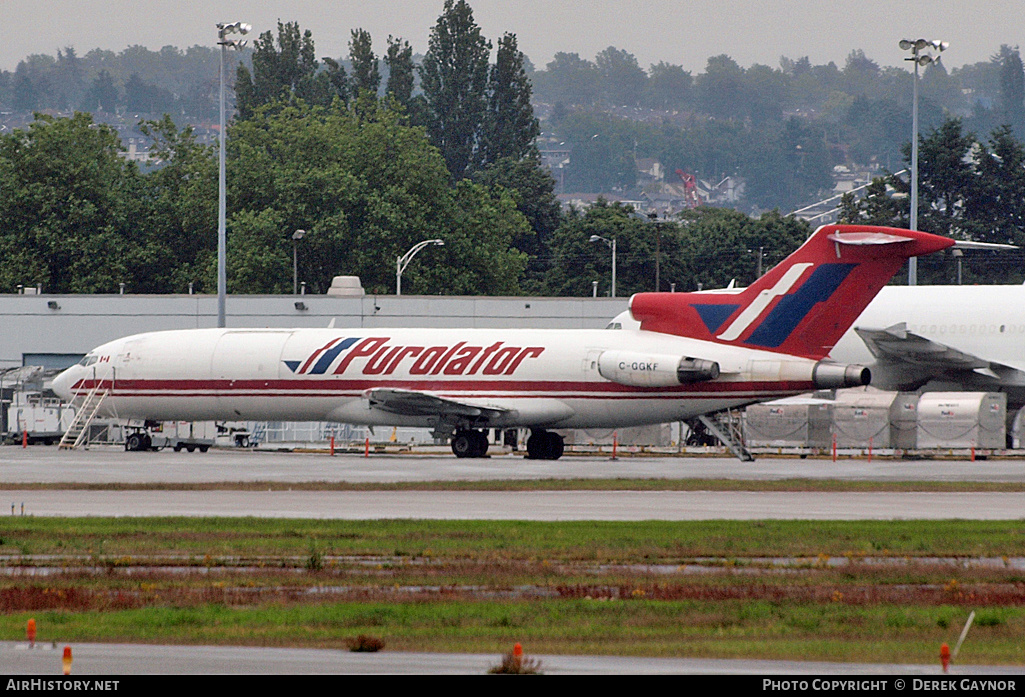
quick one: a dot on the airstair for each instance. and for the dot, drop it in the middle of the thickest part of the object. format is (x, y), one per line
(78, 431)
(727, 428)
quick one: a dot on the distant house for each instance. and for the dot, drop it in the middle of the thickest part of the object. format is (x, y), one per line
(649, 170)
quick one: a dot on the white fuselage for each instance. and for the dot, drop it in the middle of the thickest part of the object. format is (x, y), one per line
(523, 378)
(985, 321)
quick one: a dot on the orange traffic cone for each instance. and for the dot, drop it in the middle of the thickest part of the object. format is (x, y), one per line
(30, 633)
(518, 655)
(945, 657)
(66, 660)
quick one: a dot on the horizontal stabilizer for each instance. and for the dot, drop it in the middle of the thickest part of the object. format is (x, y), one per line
(862, 239)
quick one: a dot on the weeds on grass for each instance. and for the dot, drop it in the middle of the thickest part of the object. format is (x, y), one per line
(364, 643)
(515, 663)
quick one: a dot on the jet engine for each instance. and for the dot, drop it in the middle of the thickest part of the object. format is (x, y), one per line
(828, 375)
(654, 370)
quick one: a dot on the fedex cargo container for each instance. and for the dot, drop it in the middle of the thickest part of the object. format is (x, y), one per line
(874, 418)
(962, 420)
(783, 424)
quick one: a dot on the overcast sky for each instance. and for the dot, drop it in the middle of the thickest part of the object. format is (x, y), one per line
(685, 32)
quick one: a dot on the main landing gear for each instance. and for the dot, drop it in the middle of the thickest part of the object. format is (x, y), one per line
(469, 443)
(544, 445)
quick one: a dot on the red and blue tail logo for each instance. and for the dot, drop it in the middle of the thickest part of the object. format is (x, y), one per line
(802, 306)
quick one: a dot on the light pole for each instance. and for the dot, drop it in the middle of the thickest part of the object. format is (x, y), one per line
(612, 245)
(223, 29)
(921, 56)
(296, 236)
(403, 261)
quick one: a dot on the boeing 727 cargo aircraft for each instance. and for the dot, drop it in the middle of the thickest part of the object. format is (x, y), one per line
(694, 354)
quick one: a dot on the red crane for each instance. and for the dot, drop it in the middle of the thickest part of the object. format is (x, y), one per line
(690, 189)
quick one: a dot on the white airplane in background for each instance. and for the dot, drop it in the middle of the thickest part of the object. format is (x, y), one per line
(940, 338)
(694, 354)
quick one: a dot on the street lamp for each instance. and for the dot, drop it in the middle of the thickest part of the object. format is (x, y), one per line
(653, 218)
(612, 244)
(223, 29)
(403, 261)
(296, 236)
(921, 55)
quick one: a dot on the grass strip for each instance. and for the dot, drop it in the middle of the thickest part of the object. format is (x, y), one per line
(590, 541)
(733, 629)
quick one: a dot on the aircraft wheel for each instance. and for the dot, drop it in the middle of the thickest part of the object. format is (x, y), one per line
(464, 444)
(177, 447)
(204, 448)
(482, 443)
(545, 445)
(537, 444)
(556, 446)
(190, 448)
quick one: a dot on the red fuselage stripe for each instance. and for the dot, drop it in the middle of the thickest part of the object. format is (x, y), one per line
(464, 388)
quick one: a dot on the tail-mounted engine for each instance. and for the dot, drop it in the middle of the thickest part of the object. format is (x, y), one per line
(654, 370)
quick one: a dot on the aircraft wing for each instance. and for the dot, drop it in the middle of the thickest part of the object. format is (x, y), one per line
(918, 358)
(415, 403)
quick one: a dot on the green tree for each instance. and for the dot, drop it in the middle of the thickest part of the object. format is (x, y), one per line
(533, 191)
(968, 189)
(946, 178)
(995, 208)
(285, 73)
(71, 207)
(721, 88)
(723, 245)
(577, 262)
(509, 127)
(146, 98)
(788, 167)
(366, 75)
(181, 214)
(454, 76)
(669, 86)
(1011, 107)
(876, 207)
(603, 152)
(102, 95)
(401, 71)
(698, 248)
(25, 95)
(365, 188)
(623, 81)
(568, 79)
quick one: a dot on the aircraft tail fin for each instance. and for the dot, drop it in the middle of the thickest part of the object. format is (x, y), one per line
(803, 305)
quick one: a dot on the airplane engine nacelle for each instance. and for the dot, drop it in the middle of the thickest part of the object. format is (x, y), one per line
(827, 375)
(654, 370)
(824, 375)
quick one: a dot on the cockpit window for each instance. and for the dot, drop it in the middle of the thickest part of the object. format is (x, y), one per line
(615, 325)
(88, 360)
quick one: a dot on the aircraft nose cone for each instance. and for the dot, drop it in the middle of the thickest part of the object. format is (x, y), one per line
(62, 384)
